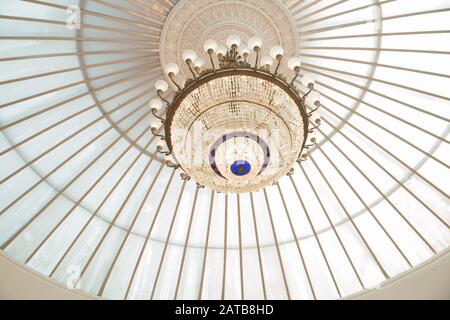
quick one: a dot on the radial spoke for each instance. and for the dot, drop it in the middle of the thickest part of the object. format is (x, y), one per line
(205, 253)
(274, 233)
(146, 240)
(169, 233)
(186, 242)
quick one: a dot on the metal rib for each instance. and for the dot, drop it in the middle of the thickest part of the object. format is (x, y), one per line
(261, 269)
(241, 267)
(437, 137)
(378, 94)
(74, 115)
(297, 241)
(274, 233)
(62, 163)
(205, 253)
(91, 188)
(400, 183)
(87, 223)
(313, 229)
(393, 156)
(225, 244)
(133, 222)
(357, 23)
(74, 84)
(69, 54)
(146, 241)
(369, 35)
(85, 26)
(186, 241)
(383, 195)
(358, 195)
(169, 233)
(97, 14)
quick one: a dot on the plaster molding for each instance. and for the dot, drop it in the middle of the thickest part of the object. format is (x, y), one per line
(191, 23)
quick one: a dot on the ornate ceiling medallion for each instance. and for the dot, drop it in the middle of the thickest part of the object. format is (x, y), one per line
(235, 126)
(191, 23)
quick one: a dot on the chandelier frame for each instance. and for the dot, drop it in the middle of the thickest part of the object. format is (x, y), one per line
(234, 62)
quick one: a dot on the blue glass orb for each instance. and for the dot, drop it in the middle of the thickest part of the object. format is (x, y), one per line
(240, 168)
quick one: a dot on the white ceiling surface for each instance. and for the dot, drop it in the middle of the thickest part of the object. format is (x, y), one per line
(385, 164)
(426, 281)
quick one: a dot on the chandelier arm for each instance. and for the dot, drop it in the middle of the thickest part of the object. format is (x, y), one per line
(278, 65)
(297, 72)
(171, 77)
(160, 136)
(210, 53)
(166, 153)
(307, 94)
(234, 53)
(159, 93)
(312, 111)
(173, 164)
(189, 63)
(158, 117)
(316, 124)
(257, 57)
(302, 157)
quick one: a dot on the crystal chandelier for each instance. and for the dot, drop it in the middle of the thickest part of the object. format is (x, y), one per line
(236, 126)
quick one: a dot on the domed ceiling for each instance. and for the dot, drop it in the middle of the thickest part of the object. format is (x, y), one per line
(86, 200)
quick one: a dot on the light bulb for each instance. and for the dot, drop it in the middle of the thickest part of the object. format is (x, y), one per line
(169, 159)
(266, 61)
(312, 136)
(294, 63)
(199, 63)
(221, 50)
(161, 85)
(160, 144)
(244, 49)
(210, 45)
(233, 40)
(313, 98)
(155, 105)
(255, 43)
(189, 55)
(316, 119)
(276, 52)
(172, 68)
(307, 81)
(155, 127)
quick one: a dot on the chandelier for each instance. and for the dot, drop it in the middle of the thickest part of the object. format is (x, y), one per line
(236, 126)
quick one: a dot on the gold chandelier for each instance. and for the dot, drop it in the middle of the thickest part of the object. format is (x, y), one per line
(236, 127)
